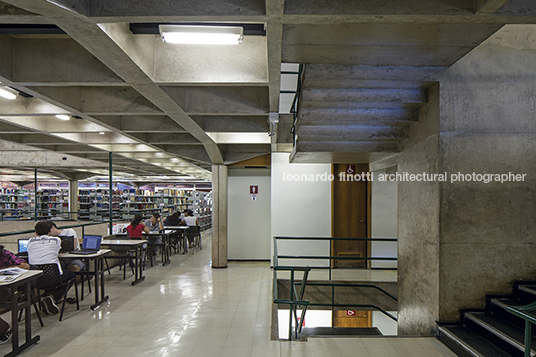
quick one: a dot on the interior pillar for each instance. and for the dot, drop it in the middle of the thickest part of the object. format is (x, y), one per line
(73, 199)
(219, 216)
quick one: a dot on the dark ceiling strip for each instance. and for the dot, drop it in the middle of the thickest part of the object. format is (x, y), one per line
(151, 28)
(29, 29)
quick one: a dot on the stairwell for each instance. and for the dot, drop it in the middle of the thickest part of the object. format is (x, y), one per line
(492, 331)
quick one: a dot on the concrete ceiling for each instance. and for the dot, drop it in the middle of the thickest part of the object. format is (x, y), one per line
(156, 106)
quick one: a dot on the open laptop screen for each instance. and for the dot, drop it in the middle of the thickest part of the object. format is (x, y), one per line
(23, 245)
(91, 242)
(67, 243)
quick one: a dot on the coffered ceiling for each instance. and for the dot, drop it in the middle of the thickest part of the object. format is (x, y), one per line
(176, 110)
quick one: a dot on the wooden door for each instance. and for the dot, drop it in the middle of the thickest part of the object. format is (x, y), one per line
(350, 204)
(351, 318)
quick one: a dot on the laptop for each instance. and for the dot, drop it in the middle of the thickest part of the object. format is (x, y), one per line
(90, 244)
(67, 243)
(23, 245)
(23, 248)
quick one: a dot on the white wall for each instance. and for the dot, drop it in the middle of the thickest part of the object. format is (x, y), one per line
(248, 222)
(300, 208)
(384, 221)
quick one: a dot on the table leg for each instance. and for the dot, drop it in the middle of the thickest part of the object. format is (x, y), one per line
(138, 268)
(98, 274)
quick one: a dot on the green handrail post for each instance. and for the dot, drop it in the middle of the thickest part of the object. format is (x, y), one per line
(526, 313)
(110, 196)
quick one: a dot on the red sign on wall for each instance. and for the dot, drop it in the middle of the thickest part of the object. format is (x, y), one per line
(350, 312)
(253, 190)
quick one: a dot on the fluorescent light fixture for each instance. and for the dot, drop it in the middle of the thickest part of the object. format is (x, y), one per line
(63, 116)
(239, 138)
(6, 93)
(202, 35)
(101, 132)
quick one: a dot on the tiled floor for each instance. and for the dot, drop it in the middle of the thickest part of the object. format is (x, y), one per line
(189, 309)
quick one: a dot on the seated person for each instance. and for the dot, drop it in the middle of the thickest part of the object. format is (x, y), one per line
(74, 265)
(154, 224)
(8, 260)
(173, 220)
(190, 220)
(44, 249)
(136, 229)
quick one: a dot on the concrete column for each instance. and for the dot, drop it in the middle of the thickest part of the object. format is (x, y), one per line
(73, 199)
(219, 216)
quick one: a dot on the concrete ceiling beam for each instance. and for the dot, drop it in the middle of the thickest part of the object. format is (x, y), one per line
(489, 6)
(354, 95)
(45, 159)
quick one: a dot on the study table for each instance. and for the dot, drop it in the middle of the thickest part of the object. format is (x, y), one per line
(15, 305)
(97, 273)
(137, 245)
(165, 235)
(182, 230)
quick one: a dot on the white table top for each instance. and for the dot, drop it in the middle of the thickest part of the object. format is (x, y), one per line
(130, 242)
(27, 275)
(79, 256)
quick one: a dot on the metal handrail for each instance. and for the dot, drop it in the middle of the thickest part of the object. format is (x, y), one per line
(294, 108)
(294, 303)
(525, 312)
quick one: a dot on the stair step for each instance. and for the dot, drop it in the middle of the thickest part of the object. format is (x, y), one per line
(466, 343)
(504, 333)
(498, 306)
(527, 293)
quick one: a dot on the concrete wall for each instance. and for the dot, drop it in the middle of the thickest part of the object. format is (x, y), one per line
(418, 225)
(487, 126)
(459, 241)
(301, 208)
(384, 221)
(248, 222)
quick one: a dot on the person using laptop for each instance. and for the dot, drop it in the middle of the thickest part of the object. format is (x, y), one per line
(74, 265)
(44, 249)
(154, 224)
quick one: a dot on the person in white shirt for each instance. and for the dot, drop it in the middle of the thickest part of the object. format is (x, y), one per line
(44, 249)
(74, 265)
(190, 220)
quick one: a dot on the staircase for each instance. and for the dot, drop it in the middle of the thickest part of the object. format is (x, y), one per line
(493, 331)
(357, 113)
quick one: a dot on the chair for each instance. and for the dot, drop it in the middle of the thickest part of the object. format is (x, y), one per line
(193, 233)
(51, 278)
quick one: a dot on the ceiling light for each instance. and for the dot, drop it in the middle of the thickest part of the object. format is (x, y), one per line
(6, 93)
(202, 35)
(101, 132)
(63, 117)
(239, 138)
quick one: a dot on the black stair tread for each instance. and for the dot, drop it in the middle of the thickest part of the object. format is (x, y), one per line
(504, 326)
(509, 301)
(476, 342)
